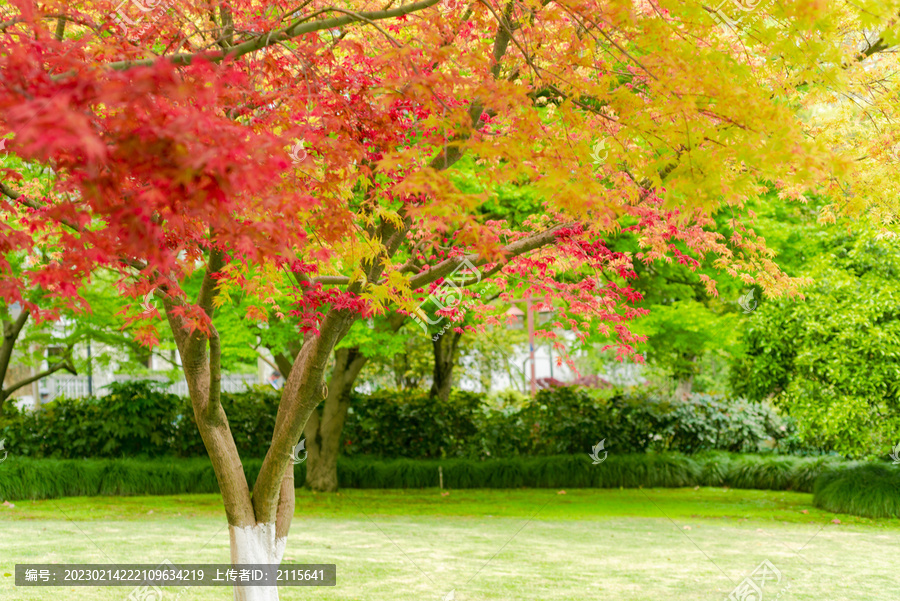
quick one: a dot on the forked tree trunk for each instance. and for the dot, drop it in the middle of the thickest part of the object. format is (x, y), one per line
(323, 431)
(445, 348)
(259, 521)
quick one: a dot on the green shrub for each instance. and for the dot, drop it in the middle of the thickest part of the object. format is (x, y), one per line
(831, 361)
(807, 471)
(135, 419)
(251, 417)
(409, 424)
(766, 472)
(562, 420)
(866, 489)
(772, 473)
(871, 490)
(704, 421)
(715, 467)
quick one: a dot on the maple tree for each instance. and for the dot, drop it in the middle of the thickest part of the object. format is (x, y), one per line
(311, 153)
(13, 323)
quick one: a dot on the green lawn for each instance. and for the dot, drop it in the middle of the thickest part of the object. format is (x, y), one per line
(653, 544)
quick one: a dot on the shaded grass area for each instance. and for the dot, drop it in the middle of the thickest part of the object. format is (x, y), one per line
(497, 545)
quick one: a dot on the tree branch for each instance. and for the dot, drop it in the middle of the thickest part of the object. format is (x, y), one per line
(301, 394)
(195, 341)
(215, 371)
(295, 29)
(67, 364)
(11, 332)
(513, 250)
(336, 280)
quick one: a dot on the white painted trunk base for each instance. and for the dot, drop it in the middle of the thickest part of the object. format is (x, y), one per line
(257, 545)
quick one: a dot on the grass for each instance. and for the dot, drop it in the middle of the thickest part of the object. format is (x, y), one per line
(27, 478)
(871, 490)
(631, 544)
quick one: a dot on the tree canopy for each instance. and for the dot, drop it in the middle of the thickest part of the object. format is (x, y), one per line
(308, 159)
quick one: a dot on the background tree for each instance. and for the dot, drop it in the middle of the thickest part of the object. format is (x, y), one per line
(32, 346)
(25, 338)
(832, 361)
(682, 335)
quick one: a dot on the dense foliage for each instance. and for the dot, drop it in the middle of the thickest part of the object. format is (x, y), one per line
(832, 361)
(137, 420)
(562, 420)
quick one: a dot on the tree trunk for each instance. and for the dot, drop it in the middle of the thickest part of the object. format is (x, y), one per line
(686, 381)
(256, 544)
(257, 524)
(684, 388)
(323, 430)
(11, 331)
(444, 360)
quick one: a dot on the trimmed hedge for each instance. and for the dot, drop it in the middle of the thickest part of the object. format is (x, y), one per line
(867, 489)
(138, 420)
(558, 421)
(27, 478)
